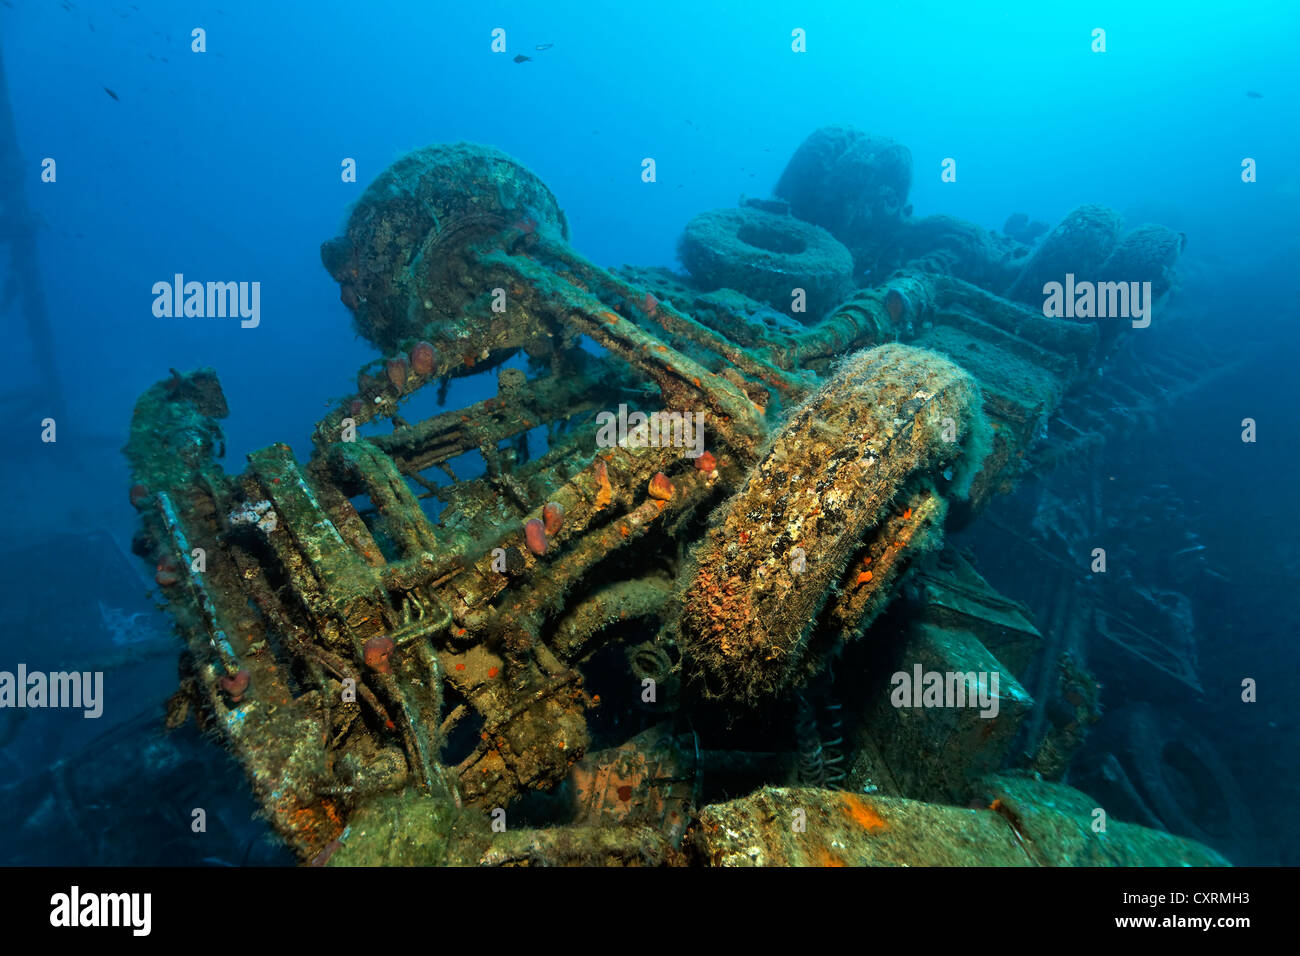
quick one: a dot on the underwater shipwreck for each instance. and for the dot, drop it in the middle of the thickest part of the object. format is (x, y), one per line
(649, 602)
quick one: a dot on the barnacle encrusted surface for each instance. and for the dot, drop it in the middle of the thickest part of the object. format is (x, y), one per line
(1078, 245)
(1147, 253)
(770, 559)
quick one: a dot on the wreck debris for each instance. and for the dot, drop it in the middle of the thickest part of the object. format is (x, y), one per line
(1178, 772)
(851, 183)
(1080, 244)
(803, 827)
(393, 651)
(770, 256)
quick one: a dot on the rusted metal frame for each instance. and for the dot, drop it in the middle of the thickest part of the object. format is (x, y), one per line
(217, 639)
(501, 333)
(340, 669)
(620, 472)
(329, 559)
(456, 715)
(390, 494)
(629, 599)
(774, 347)
(298, 642)
(443, 437)
(501, 715)
(496, 473)
(344, 515)
(420, 750)
(684, 383)
(1062, 366)
(566, 449)
(861, 322)
(545, 594)
(1075, 339)
(496, 721)
(890, 547)
(263, 769)
(867, 319)
(535, 475)
(791, 387)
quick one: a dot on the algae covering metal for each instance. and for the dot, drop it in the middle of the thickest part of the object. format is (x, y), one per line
(399, 655)
(1025, 824)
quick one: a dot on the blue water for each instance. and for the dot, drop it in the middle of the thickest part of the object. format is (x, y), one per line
(226, 165)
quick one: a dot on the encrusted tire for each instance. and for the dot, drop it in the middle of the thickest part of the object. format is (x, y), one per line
(767, 256)
(1146, 253)
(395, 262)
(889, 417)
(1079, 245)
(1186, 782)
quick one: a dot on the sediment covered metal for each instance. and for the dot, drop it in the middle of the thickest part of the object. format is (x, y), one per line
(889, 416)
